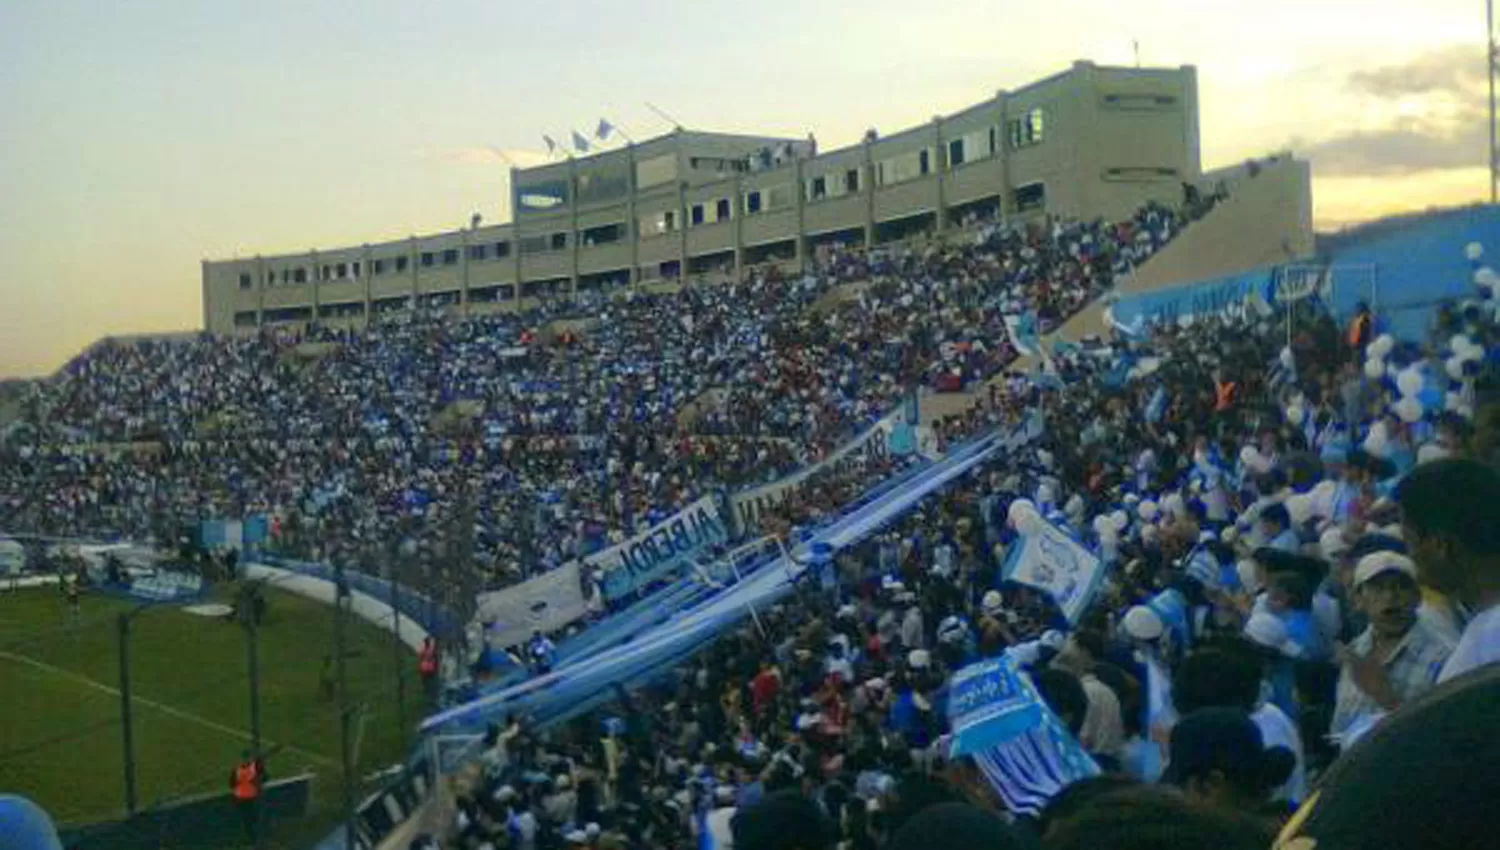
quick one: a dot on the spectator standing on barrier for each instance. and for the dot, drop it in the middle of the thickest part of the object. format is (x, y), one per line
(246, 782)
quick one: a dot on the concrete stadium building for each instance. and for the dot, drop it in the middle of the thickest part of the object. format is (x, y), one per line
(1090, 141)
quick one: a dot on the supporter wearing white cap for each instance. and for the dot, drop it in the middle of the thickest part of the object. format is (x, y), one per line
(1398, 656)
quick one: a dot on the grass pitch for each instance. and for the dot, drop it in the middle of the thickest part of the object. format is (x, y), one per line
(60, 706)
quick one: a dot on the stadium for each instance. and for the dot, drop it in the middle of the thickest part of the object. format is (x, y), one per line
(1007, 479)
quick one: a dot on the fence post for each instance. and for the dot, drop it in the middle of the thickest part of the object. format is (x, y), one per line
(399, 657)
(127, 730)
(341, 600)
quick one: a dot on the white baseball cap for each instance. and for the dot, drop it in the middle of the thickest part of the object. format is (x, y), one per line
(1378, 563)
(1142, 623)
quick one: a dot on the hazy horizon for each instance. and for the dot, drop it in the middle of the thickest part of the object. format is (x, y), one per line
(142, 139)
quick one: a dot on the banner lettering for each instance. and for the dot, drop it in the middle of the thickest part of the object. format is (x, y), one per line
(660, 549)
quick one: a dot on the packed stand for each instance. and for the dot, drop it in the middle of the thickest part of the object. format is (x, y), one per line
(378, 446)
(1301, 550)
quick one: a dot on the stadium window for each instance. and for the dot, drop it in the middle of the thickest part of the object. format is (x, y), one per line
(817, 189)
(752, 203)
(992, 141)
(325, 273)
(502, 249)
(721, 209)
(299, 276)
(851, 181)
(1032, 196)
(428, 259)
(1035, 126)
(402, 262)
(377, 267)
(669, 221)
(697, 213)
(245, 319)
(924, 162)
(245, 280)
(354, 268)
(955, 153)
(478, 252)
(559, 241)
(450, 256)
(341, 271)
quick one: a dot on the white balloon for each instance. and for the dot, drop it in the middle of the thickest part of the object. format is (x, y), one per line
(1295, 414)
(1377, 440)
(1472, 354)
(1374, 369)
(1409, 409)
(1383, 345)
(1459, 342)
(1148, 510)
(1454, 367)
(1120, 519)
(1486, 278)
(1473, 250)
(1409, 381)
(1299, 507)
(1174, 505)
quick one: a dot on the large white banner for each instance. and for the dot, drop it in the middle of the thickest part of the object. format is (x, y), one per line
(548, 602)
(750, 505)
(1055, 563)
(660, 549)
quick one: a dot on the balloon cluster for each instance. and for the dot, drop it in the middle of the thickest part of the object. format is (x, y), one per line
(1484, 277)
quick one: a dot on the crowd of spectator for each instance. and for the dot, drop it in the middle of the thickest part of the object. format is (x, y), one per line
(1298, 563)
(515, 443)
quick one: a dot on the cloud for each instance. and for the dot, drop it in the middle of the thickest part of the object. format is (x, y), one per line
(1455, 69)
(1404, 148)
(1422, 115)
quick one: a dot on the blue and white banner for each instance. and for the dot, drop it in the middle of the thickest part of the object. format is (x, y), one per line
(165, 586)
(1132, 314)
(1053, 562)
(1021, 747)
(547, 603)
(1024, 335)
(660, 549)
(749, 506)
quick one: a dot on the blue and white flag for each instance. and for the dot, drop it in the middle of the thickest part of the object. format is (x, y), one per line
(580, 144)
(1056, 564)
(1023, 333)
(605, 128)
(1024, 751)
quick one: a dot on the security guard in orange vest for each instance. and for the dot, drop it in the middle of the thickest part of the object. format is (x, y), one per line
(245, 784)
(1361, 330)
(427, 665)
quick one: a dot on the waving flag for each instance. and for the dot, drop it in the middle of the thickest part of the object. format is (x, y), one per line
(580, 144)
(1023, 750)
(1056, 564)
(605, 128)
(1023, 333)
(551, 144)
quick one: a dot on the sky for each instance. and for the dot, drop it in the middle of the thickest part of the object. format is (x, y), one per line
(137, 139)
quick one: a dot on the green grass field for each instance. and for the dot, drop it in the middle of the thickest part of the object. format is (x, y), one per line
(60, 731)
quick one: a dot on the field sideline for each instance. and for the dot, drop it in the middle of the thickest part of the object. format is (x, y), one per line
(60, 733)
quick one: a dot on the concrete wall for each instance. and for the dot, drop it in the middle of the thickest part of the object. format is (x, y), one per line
(1265, 221)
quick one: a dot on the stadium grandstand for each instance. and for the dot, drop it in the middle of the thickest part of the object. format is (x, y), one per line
(962, 485)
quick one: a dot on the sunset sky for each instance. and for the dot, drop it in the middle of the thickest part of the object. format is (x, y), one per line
(138, 138)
